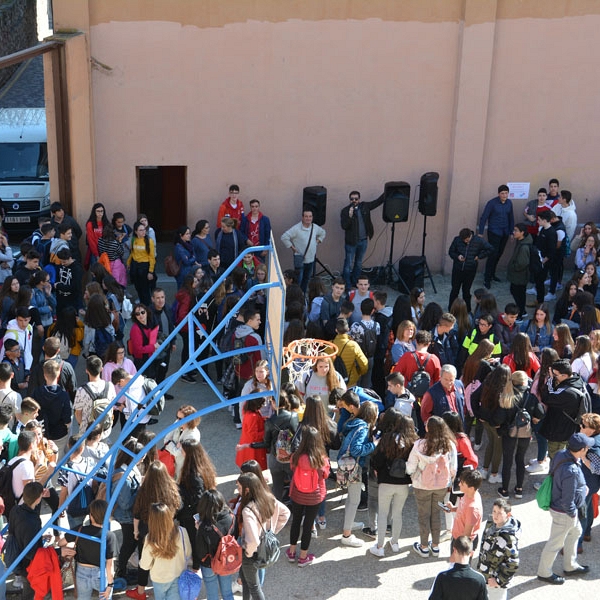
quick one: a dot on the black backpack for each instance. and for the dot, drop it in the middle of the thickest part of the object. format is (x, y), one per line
(6, 487)
(339, 366)
(369, 342)
(420, 381)
(239, 344)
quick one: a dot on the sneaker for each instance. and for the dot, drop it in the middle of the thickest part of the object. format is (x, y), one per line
(372, 533)
(497, 478)
(559, 286)
(375, 550)
(518, 493)
(322, 523)
(220, 382)
(362, 506)
(503, 493)
(484, 473)
(435, 552)
(313, 532)
(547, 282)
(422, 552)
(307, 560)
(537, 485)
(188, 378)
(487, 285)
(291, 557)
(535, 468)
(351, 541)
(18, 582)
(357, 525)
(531, 291)
(237, 588)
(549, 297)
(135, 595)
(477, 447)
(238, 425)
(169, 397)
(533, 461)
(395, 547)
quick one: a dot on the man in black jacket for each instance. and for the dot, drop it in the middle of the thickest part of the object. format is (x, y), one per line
(160, 317)
(466, 250)
(546, 242)
(356, 222)
(460, 582)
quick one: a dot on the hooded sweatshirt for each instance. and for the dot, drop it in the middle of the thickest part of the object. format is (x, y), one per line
(517, 271)
(562, 408)
(246, 369)
(418, 461)
(24, 337)
(499, 555)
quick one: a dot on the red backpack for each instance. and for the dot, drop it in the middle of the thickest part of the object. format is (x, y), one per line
(306, 480)
(227, 559)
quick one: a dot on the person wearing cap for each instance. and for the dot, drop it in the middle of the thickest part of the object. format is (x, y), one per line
(568, 501)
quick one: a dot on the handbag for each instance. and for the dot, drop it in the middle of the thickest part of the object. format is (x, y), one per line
(190, 582)
(172, 267)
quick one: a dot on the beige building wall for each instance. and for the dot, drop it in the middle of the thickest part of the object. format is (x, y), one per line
(276, 96)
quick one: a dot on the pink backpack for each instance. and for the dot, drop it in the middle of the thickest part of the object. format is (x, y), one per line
(436, 474)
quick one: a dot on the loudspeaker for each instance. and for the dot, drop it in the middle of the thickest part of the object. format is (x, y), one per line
(428, 194)
(397, 201)
(412, 271)
(315, 197)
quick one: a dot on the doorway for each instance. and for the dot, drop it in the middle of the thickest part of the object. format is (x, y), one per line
(162, 196)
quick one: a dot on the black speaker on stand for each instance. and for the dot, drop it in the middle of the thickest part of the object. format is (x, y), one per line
(428, 191)
(315, 198)
(395, 210)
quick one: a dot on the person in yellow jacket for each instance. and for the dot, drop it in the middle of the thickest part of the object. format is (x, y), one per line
(141, 263)
(355, 361)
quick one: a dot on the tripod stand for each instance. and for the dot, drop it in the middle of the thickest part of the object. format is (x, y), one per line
(425, 265)
(389, 268)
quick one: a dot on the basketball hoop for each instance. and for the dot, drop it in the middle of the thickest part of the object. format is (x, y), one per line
(299, 356)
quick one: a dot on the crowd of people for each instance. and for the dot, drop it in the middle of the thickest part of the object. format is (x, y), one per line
(404, 401)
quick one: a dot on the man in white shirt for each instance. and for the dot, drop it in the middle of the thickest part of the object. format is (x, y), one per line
(24, 472)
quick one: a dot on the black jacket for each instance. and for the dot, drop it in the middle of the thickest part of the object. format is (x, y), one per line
(562, 409)
(350, 224)
(24, 524)
(207, 539)
(477, 248)
(460, 582)
(55, 410)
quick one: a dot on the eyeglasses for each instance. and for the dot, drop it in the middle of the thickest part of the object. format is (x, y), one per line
(354, 199)
(140, 312)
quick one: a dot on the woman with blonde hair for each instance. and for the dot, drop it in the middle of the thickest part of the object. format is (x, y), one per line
(321, 380)
(166, 550)
(188, 432)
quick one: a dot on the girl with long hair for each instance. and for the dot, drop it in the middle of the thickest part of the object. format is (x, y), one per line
(316, 292)
(258, 511)
(184, 253)
(404, 342)
(579, 240)
(115, 250)
(310, 468)
(395, 445)
(260, 382)
(8, 296)
(484, 402)
(592, 287)
(431, 316)
(214, 514)
(588, 319)
(321, 380)
(562, 341)
(99, 331)
(201, 241)
(143, 337)
(94, 226)
(587, 253)
(69, 329)
(463, 321)
(198, 473)
(142, 263)
(251, 444)
(584, 358)
(115, 358)
(166, 550)
(143, 219)
(564, 307)
(539, 329)
(437, 444)
(521, 357)
(174, 440)
(417, 303)
(157, 487)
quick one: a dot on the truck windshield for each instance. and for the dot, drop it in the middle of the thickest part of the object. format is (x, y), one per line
(21, 162)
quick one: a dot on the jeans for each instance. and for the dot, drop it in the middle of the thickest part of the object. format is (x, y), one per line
(493, 450)
(394, 496)
(429, 514)
(309, 513)
(564, 534)
(88, 580)
(462, 278)
(352, 502)
(354, 255)
(509, 445)
(166, 591)
(499, 243)
(305, 274)
(586, 524)
(250, 580)
(542, 442)
(213, 583)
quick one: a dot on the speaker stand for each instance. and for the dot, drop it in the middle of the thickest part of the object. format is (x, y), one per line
(426, 266)
(324, 269)
(389, 268)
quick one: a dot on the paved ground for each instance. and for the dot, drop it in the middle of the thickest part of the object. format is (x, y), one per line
(341, 572)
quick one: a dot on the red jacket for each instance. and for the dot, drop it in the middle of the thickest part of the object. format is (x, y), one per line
(139, 349)
(43, 574)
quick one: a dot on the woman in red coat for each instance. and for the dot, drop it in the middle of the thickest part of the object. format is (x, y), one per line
(93, 230)
(251, 445)
(142, 337)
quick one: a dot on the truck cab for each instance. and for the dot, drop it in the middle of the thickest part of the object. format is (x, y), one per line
(24, 176)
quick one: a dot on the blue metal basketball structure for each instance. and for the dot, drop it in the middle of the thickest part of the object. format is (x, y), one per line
(272, 346)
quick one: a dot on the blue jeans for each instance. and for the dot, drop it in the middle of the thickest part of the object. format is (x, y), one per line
(166, 591)
(88, 580)
(305, 274)
(354, 255)
(250, 577)
(213, 583)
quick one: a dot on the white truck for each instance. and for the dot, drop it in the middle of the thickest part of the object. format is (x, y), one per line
(24, 177)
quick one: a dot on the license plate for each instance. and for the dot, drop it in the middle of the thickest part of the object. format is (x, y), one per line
(17, 220)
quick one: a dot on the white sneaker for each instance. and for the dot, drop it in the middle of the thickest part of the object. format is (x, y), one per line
(549, 297)
(236, 588)
(357, 525)
(375, 550)
(531, 291)
(497, 478)
(536, 468)
(477, 447)
(533, 461)
(484, 473)
(395, 547)
(547, 282)
(352, 541)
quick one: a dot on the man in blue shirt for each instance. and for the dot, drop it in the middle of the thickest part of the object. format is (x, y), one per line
(498, 214)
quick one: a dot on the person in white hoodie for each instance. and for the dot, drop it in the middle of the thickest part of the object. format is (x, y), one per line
(132, 401)
(566, 209)
(20, 329)
(432, 466)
